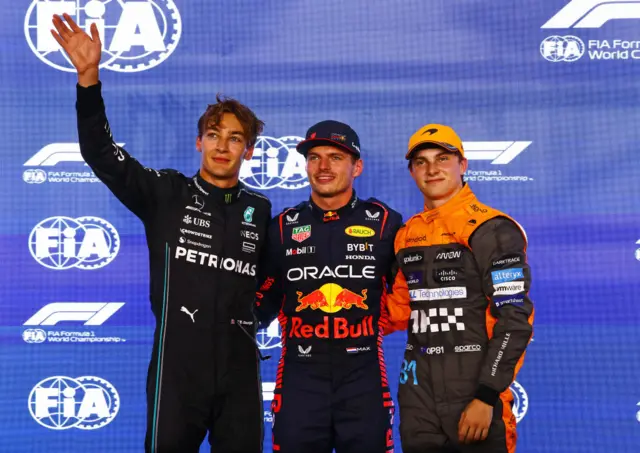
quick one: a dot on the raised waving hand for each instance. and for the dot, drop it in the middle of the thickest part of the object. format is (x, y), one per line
(83, 50)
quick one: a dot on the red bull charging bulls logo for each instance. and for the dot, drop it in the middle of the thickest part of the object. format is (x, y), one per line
(332, 298)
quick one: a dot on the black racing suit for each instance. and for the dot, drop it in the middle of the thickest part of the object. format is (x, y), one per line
(204, 244)
(462, 292)
(326, 275)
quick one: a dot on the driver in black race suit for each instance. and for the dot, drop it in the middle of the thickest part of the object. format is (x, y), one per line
(326, 271)
(204, 235)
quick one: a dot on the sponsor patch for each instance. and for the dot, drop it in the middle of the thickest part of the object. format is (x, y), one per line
(301, 233)
(508, 289)
(507, 275)
(416, 257)
(306, 250)
(454, 292)
(511, 300)
(359, 231)
(448, 255)
(447, 275)
(468, 348)
(508, 260)
(414, 278)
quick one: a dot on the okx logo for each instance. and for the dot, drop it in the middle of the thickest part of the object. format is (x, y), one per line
(84, 243)
(136, 35)
(86, 402)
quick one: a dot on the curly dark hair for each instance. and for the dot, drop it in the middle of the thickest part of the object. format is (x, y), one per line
(213, 115)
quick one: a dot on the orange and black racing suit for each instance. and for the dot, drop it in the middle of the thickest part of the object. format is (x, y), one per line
(462, 293)
(325, 275)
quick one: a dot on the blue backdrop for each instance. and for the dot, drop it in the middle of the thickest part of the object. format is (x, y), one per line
(544, 95)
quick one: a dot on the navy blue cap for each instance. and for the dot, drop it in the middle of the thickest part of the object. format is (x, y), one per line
(331, 133)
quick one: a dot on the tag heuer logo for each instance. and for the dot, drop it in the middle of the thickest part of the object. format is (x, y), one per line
(248, 214)
(301, 233)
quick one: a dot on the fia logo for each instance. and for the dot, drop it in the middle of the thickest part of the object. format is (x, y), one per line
(520, 401)
(136, 35)
(565, 49)
(275, 164)
(83, 243)
(85, 402)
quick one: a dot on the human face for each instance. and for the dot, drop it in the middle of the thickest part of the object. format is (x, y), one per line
(223, 148)
(438, 175)
(331, 171)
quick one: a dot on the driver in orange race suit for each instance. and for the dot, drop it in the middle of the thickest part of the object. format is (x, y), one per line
(462, 292)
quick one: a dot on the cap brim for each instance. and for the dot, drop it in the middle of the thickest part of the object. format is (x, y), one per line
(304, 146)
(425, 144)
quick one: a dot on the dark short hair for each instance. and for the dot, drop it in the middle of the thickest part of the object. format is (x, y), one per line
(251, 125)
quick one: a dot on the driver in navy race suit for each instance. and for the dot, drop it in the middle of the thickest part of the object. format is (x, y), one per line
(328, 264)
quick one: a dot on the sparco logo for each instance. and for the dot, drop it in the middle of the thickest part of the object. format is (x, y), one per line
(136, 35)
(413, 258)
(468, 348)
(444, 256)
(210, 260)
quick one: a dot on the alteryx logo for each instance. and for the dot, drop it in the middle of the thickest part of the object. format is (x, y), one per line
(507, 275)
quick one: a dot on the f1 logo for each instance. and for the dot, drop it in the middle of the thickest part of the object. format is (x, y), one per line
(499, 153)
(593, 13)
(55, 153)
(93, 313)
